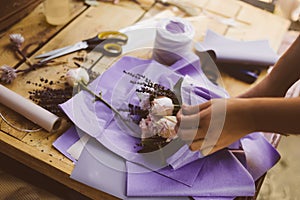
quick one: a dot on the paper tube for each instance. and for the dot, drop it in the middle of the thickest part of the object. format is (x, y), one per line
(28, 109)
(174, 38)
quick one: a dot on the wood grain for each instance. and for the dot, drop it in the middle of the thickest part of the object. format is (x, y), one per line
(36, 32)
(35, 149)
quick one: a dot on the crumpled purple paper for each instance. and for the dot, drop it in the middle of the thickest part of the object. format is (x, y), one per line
(116, 138)
(183, 157)
(261, 156)
(218, 177)
(100, 168)
(258, 52)
(65, 141)
(118, 94)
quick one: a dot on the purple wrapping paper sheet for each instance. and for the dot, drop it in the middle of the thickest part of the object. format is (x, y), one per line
(110, 135)
(213, 198)
(104, 170)
(260, 154)
(231, 51)
(154, 161)
(101, 169)
(183, 157)
(180, 175)
(218, 177)
(65, 141)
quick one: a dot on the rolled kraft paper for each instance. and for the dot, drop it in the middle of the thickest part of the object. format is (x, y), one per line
(174, 38)
(28, 109)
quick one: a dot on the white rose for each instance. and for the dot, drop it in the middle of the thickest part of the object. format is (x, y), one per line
(74, 76)
(167, 127)
(146, 127)
(162, 106)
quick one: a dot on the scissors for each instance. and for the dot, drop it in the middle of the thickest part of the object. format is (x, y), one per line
(109, 43)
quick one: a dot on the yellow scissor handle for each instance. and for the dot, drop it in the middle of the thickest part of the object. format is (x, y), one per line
(112, 49)
(113, 35)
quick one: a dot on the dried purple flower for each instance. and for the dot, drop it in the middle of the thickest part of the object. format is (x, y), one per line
(7, 74)
(17, 39)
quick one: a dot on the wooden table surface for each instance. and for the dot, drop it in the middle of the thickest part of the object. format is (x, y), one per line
(35, 149)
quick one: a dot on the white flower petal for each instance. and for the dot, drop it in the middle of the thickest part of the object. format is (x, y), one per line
(17, 39)
(74, 76)
(162, 106)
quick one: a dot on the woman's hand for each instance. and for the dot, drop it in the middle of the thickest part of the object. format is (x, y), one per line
(216, 124)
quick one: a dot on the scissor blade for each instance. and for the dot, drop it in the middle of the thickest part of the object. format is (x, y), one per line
(64, 51)
(53, 52)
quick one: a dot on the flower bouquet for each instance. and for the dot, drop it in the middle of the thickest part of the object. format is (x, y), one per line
(147, 96)
(155, 113)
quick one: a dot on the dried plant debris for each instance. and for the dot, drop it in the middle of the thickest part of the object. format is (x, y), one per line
(49, 97)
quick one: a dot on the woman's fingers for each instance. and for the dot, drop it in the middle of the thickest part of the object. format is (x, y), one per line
(196, 145)
(189, 116)
(191, 134)
(188, 121)
(205, 150)
(190, 110)
(197, 140)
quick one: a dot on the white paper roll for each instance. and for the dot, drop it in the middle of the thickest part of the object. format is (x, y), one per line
(174, 38)
(28, 109)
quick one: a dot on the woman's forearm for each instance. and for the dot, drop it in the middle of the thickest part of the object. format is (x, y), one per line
(280, 115)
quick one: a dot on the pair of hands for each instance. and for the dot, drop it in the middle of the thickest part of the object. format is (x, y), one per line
(214, 125)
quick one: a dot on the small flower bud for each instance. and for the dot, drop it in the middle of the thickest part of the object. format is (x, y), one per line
(7, 74)
(74, 76)
(17, 39)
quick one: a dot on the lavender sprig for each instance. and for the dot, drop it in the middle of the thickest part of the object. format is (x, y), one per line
(17, 40)
(9, 74)
(153, 89)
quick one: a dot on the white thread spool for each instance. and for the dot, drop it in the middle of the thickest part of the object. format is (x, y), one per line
(174, 38)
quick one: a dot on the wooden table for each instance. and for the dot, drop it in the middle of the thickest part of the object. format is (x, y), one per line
(35, 149)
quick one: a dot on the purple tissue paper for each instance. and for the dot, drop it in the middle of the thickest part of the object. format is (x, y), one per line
(95, 119)
(257, 52)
